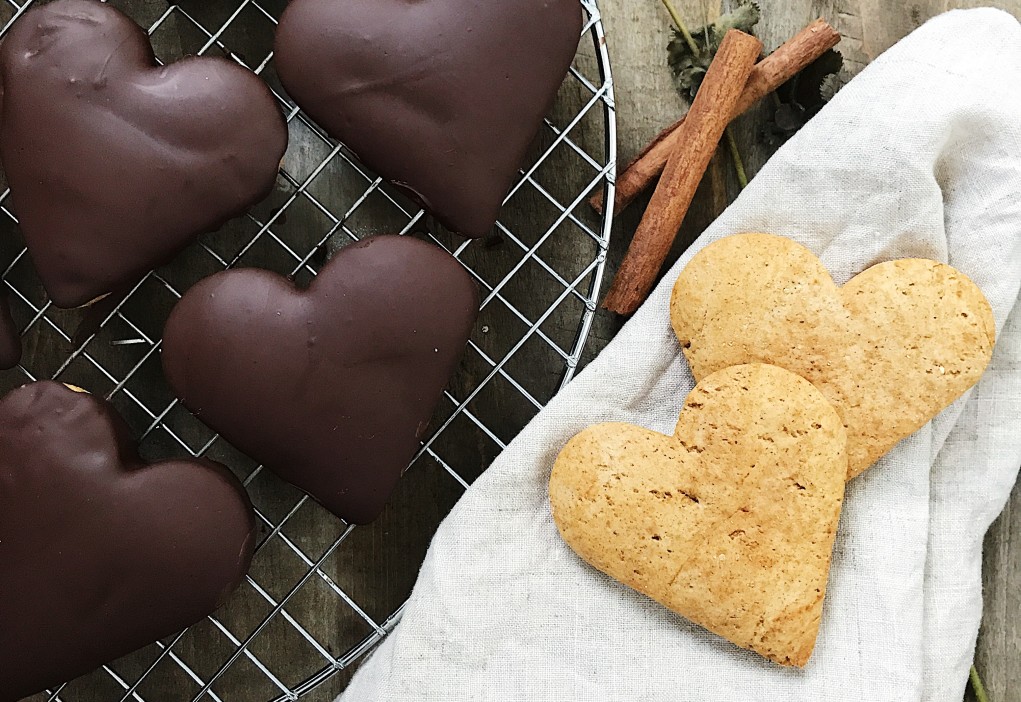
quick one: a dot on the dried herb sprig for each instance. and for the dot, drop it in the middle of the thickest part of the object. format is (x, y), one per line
(690, 53)
(689, 58)
(799, 99)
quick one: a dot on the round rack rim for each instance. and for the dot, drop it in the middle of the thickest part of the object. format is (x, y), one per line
(583, 288)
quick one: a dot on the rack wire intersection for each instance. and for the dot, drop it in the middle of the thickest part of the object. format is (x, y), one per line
(316, 600)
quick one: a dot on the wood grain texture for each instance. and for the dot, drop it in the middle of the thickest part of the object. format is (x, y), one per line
(999, 643)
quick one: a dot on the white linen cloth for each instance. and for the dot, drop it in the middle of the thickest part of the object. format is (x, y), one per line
(920, 155)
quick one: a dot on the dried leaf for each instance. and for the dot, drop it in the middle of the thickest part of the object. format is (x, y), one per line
(689, 67)
(800, 98)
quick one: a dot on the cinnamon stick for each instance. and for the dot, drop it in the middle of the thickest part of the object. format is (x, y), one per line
(696, 142)
(768, 75)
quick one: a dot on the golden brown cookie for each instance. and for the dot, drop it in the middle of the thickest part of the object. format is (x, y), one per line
(729, 522)
(890, 349)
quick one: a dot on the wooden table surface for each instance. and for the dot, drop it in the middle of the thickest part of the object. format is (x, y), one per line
(390, 551)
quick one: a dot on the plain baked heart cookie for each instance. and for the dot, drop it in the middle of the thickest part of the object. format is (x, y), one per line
(100, 553)
(440, 97)
(729, 522)
(116, 163)
(331, 387)
(891, 349)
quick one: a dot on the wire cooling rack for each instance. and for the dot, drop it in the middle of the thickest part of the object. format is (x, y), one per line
(321, 594)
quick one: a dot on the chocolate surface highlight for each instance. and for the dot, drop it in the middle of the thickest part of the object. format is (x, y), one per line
(440, 97)
(116, 163)
(333, 387)
(101, 554)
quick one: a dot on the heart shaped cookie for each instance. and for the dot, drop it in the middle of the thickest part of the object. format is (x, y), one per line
(331, 388)
(891, 349)
(440, 97)
(100, 553)
(10, 339)
(116, 163)
(729, 522)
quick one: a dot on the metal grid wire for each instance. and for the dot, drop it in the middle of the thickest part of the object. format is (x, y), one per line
(321, 593)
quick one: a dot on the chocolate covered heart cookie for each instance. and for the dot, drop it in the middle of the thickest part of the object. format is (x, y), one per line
(729, 522)
(331, 387)
(116, 163)
(100, 553)
(441, 97)
(10, 340)
(891, 349)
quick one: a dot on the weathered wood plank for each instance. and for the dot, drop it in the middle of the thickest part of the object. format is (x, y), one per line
(999, 644)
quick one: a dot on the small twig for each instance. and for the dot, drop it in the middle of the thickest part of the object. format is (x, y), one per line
(681, 27)
(977, 686)
(735, 157)
(699, 136)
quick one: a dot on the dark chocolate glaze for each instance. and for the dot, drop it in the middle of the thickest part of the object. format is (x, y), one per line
(100, 553)
(441, 97)
(330, 388)
(116, 164)
(10, 340)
